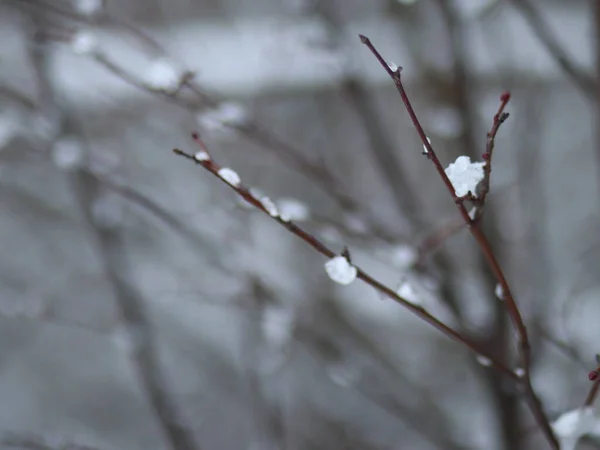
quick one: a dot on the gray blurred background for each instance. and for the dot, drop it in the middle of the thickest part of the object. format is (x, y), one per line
(142, 306)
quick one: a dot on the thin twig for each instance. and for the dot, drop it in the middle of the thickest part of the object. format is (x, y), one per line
(482, 241)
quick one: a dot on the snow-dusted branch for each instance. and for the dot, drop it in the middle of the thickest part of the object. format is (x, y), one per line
(339, 271)
(469, 175)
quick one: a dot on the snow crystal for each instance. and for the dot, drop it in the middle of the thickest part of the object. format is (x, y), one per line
(573, 425)
(484, 360)
(340, 270)
(499, 292)
(225, 115)
(84, 43)
(425, 151)
(269, 206)
(292, 209)
(88, 7)
(465, 175)
(393, 67)
(229, 176)
(407, 292)
(164, 74)
(202, 156)
(67, 153)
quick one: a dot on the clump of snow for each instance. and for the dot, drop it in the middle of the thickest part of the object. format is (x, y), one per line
(465, 175)
(340, 270)
(88, 7)
(407, 292)
(226, 114)
(393, 67)
(164, 74)
(229, 176)
(499, 292)
(573, 425)
(67, 153)
(202, 156)
(484, 360)
(84, 43)
(520, 372)
(292, 209)
(425, 151)
(269, 206)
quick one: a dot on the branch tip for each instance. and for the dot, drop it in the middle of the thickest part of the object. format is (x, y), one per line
(365, 40)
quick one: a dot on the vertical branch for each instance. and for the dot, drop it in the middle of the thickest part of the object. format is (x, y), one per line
(511, 305)
(133, 315)
(129, 302)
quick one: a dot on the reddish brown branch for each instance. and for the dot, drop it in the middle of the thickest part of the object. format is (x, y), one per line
(511, 306)
(316, 244)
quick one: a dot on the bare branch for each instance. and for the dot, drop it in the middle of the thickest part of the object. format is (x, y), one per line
(480, 238)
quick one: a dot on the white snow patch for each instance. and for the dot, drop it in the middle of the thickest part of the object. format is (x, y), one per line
(340, 270)
(277, 325)
(425, 151)
(164, 74)
(88, 7)
(520, 372)
(499, 292)
(403, 256)
(292, 209)
(393, 67)
(484, 360)
(225, 115)
(202, 156)
(407, 292)
(269, 206)
(465, 175)
(84, 43)
(229, 176)
(573, 425)
(67, 153)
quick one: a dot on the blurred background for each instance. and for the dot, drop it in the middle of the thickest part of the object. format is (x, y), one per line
(144, 306)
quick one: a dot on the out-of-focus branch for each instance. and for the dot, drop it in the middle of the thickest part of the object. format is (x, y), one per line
(583, 81)
(29, 441)
(511, 306)
(144, 351)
